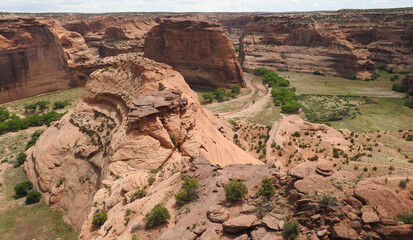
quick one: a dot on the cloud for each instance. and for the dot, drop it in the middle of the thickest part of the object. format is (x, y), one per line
(99, 6)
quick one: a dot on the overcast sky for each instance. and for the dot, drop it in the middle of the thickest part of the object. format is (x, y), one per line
(99, 6)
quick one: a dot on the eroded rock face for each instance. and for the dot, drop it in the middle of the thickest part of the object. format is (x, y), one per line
(36, 56)
(111, 36)
(202, 52)
(342, 44)
(107, 142)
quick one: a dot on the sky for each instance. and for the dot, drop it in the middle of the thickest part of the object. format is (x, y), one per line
(101, 6)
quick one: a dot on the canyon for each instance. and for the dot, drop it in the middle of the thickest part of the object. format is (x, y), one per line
(345, 44)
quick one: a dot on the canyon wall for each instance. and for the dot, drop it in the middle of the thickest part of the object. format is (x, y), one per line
(341, 43)
(111, 36)
(202, 52)
(36, 56)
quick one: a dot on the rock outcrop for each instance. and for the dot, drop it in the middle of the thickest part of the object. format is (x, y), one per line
(202, 52)
(37, 56)
(135, 116)
(111, 36)
(345, 44)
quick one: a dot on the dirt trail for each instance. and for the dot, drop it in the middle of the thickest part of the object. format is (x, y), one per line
(246, 105)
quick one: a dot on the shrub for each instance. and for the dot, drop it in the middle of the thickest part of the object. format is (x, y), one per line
(219, 94)
(151, 180)
(60, 104)
(328, 201)
(140, 193)
(382, 67)
(99, 219)
(316, 72)
(394, 78)
(22, 189)
(406, 218)
(173, 139)
(397, 87)
(236, 48)
(291, 230)
(236, 89)
(35, 136)
(33, 197)
(188, 191)
(261, 71)
(235, 190)
(21, 158)
(43, 105)
(4, 114)
(291, 107)
(409, 138)
(296, 134)
(267, 190)
(208, 97)
(157, 216)
(409, 102)
(403, 183)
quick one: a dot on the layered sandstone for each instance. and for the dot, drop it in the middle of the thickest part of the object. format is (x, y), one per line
(36, 56)
(202, 52)
(342, 43)
(135, 116)
(111, 36)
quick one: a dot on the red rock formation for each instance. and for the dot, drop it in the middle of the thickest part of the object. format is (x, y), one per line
(36, 56)
(202, 52)
(340, 43)
(135, 116)
(120, 35)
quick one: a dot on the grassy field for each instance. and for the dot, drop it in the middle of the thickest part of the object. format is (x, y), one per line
(36, 221)
(388, 114)
(72, 95)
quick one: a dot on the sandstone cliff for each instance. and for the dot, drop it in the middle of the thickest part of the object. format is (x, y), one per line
(111, 36)
(36, 56)
(341, 43)
(202, 52)
(135, 116)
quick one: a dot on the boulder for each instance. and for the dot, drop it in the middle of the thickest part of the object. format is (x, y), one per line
(401, 232)
(240, 223)
(324, 169)
(343, 232)
(218, 214)
(274, 221)
(369, 215)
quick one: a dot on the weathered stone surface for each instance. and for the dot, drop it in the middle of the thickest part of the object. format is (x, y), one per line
(217, 214)
(324, 168)
(401, 232)
(303, 170)
(274, 221)
(36, 57)
(376, 194)
(202, 52)
(341, 231)
(354, 202)
(246, 208)
(369, 215)
(240, 223)
(258, 234)
(301, 42)
(311, 184)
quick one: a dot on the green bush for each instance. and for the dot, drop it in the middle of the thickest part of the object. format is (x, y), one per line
(33, 197)
(261, 71)
(151, 180)
(99, 219)
(60, 104)
(4, 114)
(316, 72)
(188, 191)
(236, 89)
(382, 67)
(267, 190)
(22, 189)
(291, 230)
(328, 201)
(21, 158)
(219, 94)
(236, 48)
(409, 102)
(157, 216)
(208, 97)
(43, 105)
(406, 218)
(397, 87)
(394, 78)
(35, 136)
(235, 190)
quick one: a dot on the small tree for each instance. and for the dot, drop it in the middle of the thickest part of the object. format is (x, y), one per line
(157, 216)
(291, 230)
(33, 197)
(236, 89)
(188, 192)
(267, 190)
(99, 219)
(208, 97)
(219, 94)
(22, 189)
(21, 158)
(235, 190)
